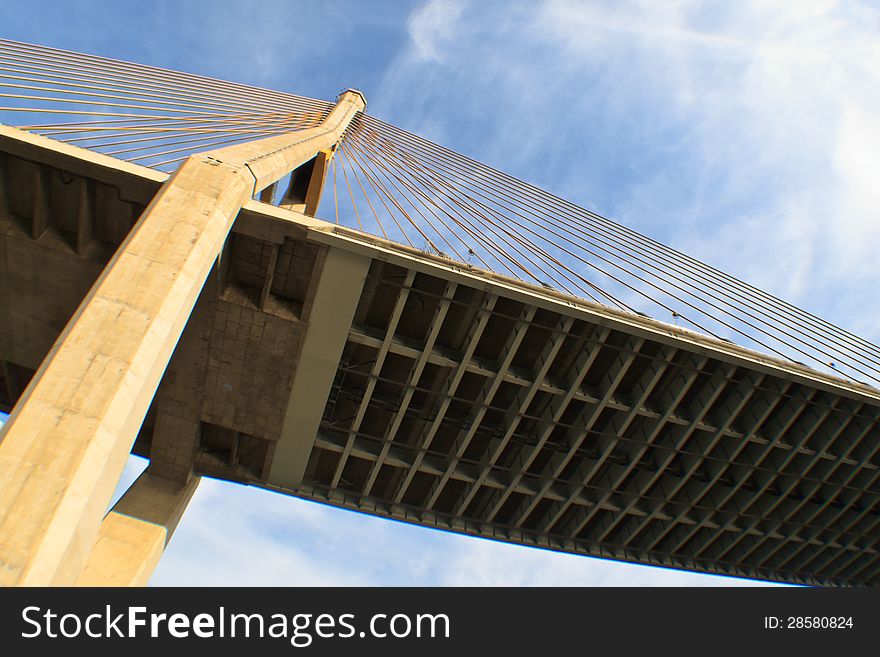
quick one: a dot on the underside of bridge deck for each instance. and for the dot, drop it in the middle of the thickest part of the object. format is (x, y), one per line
(338, 367)
(465, 409)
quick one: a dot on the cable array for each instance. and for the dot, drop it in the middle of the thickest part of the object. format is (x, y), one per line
(151, 116)
(394, 184)
(402, 187)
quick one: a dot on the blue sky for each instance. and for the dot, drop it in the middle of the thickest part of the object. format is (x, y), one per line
(742, 133)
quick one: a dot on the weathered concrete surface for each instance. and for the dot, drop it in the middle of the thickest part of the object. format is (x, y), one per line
(67, 440)
(134, 534)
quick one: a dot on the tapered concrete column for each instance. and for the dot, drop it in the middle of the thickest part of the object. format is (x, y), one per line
(66, 442)
(68, 438)
(272, 158)
(134, 534)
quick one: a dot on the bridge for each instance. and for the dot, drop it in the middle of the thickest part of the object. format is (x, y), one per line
(448, 346)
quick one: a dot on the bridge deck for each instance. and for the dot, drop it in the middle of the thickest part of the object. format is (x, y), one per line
(465, 409)
(418, 388)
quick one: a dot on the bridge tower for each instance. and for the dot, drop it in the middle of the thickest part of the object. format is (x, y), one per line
(457, 348)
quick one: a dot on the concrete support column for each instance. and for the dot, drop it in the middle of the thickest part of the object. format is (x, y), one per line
(67, 440)
(134, 534)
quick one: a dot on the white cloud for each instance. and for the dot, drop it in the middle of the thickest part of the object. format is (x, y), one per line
(743, 134)
(777, 106)
(857, 163)
(431, 27)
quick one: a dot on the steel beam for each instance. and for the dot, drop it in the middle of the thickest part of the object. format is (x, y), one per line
(412, 380)
(393, 320)
(450, 386)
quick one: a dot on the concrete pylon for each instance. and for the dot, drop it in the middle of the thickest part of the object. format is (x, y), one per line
(134, 534)
(66, 442)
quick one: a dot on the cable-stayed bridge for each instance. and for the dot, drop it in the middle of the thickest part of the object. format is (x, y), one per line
(446, 345)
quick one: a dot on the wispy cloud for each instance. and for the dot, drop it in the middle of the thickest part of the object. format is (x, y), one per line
(432, 26)
(777, 111)
(742, 134)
